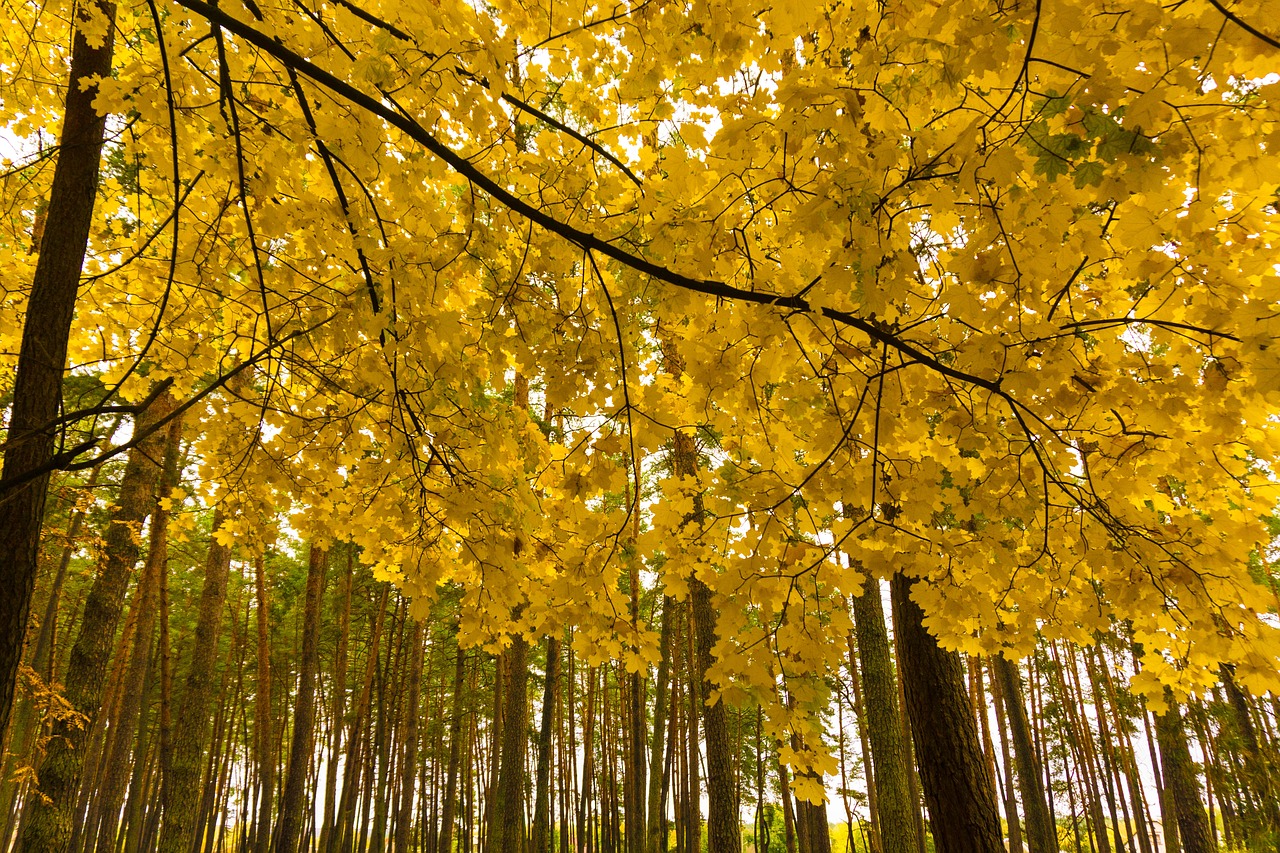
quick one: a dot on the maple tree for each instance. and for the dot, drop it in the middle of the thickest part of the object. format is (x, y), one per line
(982, 300)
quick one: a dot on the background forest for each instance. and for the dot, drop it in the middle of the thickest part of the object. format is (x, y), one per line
(667, 426)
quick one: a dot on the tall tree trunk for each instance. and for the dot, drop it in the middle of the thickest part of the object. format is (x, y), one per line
(146, 602)
(884, 724)
(409, 763)
(451, 775)
(49, 823)
(723, 830)
(657, 792)
(541, 836)
(182, 787)
(42, 356)
(293, 799)
(957, 786)
(1181, 781)
(262, 722)
(508, 801)
(1042, 836)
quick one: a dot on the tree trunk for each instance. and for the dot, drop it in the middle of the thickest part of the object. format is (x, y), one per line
(409, 763)
(146, 602)
(451, 775)
(1181, 781)
(293, 799)
(884, 724)
(50, 820)
(541, 838)
(42, 357)
(508, 802)
(657, 793)
(957, 786)
(1042, 836)
(182, 787)
(262, 723)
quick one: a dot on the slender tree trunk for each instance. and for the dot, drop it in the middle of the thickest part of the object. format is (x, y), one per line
(1042, 836)
(293, 799)
(408, 769)
(509, 799)
(1180, 779)
(957, 786)
(657, 791)
(262, 722)
(884, 724)
(182, 787)
(338, 707)
(541, 836)
(42, 356)
(50, 820)
(455, 737)
(146, 602)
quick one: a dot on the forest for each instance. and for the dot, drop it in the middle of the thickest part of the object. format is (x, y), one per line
(657, 426)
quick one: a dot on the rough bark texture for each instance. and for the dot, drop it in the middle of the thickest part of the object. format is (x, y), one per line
(451, 774)
(897, 823)
(1041, 836)
(262, 724)
(1181, 781)
(42, 357)
(957, 787)
(723, 830)
(182, 790)
(50, 819)
(540, 841)
(110, 794)
(409, 766)
(509, 802)
(293, 799)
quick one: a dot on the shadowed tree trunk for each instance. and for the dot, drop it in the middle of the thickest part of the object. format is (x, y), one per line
(957, 787)
(1041, 835)
(884, 724)
(1181, 782)
(541, 836)
(49, 822)
(182, 790)
(42, 357)
(293, 799)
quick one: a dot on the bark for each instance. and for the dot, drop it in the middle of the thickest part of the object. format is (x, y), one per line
(293, 799)
(182, 785)
(957, 786)
(884, 725)
(1042, 836)
(657, 791)
(541, 836)
(508, 836)
(262, 723)
(723, 830)
(146, 601)
(455, 737)
(50, 820)
(409, 763)
(42, 356)
(1181, 781)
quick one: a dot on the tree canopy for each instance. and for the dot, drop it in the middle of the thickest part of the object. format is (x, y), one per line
(985, 295)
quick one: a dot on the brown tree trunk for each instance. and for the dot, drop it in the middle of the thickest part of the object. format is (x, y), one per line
(293, 799)
(146, 601)
(182, 786)
(451, 775)
(1181, 781)
(409, 765)
(957, 786)
(884, 724)
(508, 825)
(48, 825)
(1042, 836)
(42, 357)
(541, 836)
(262, 723)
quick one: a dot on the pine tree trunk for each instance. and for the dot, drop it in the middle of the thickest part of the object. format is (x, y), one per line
(451, 775)
(541, 836)
(50, 820)
(884, 724)
(182, 787)
(1180, 780)
(293, 799)
(1042, 836)
(146, 602)
(957, 786)
(657, 790)
(262, 722)
(408, 769)
(42, 356)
